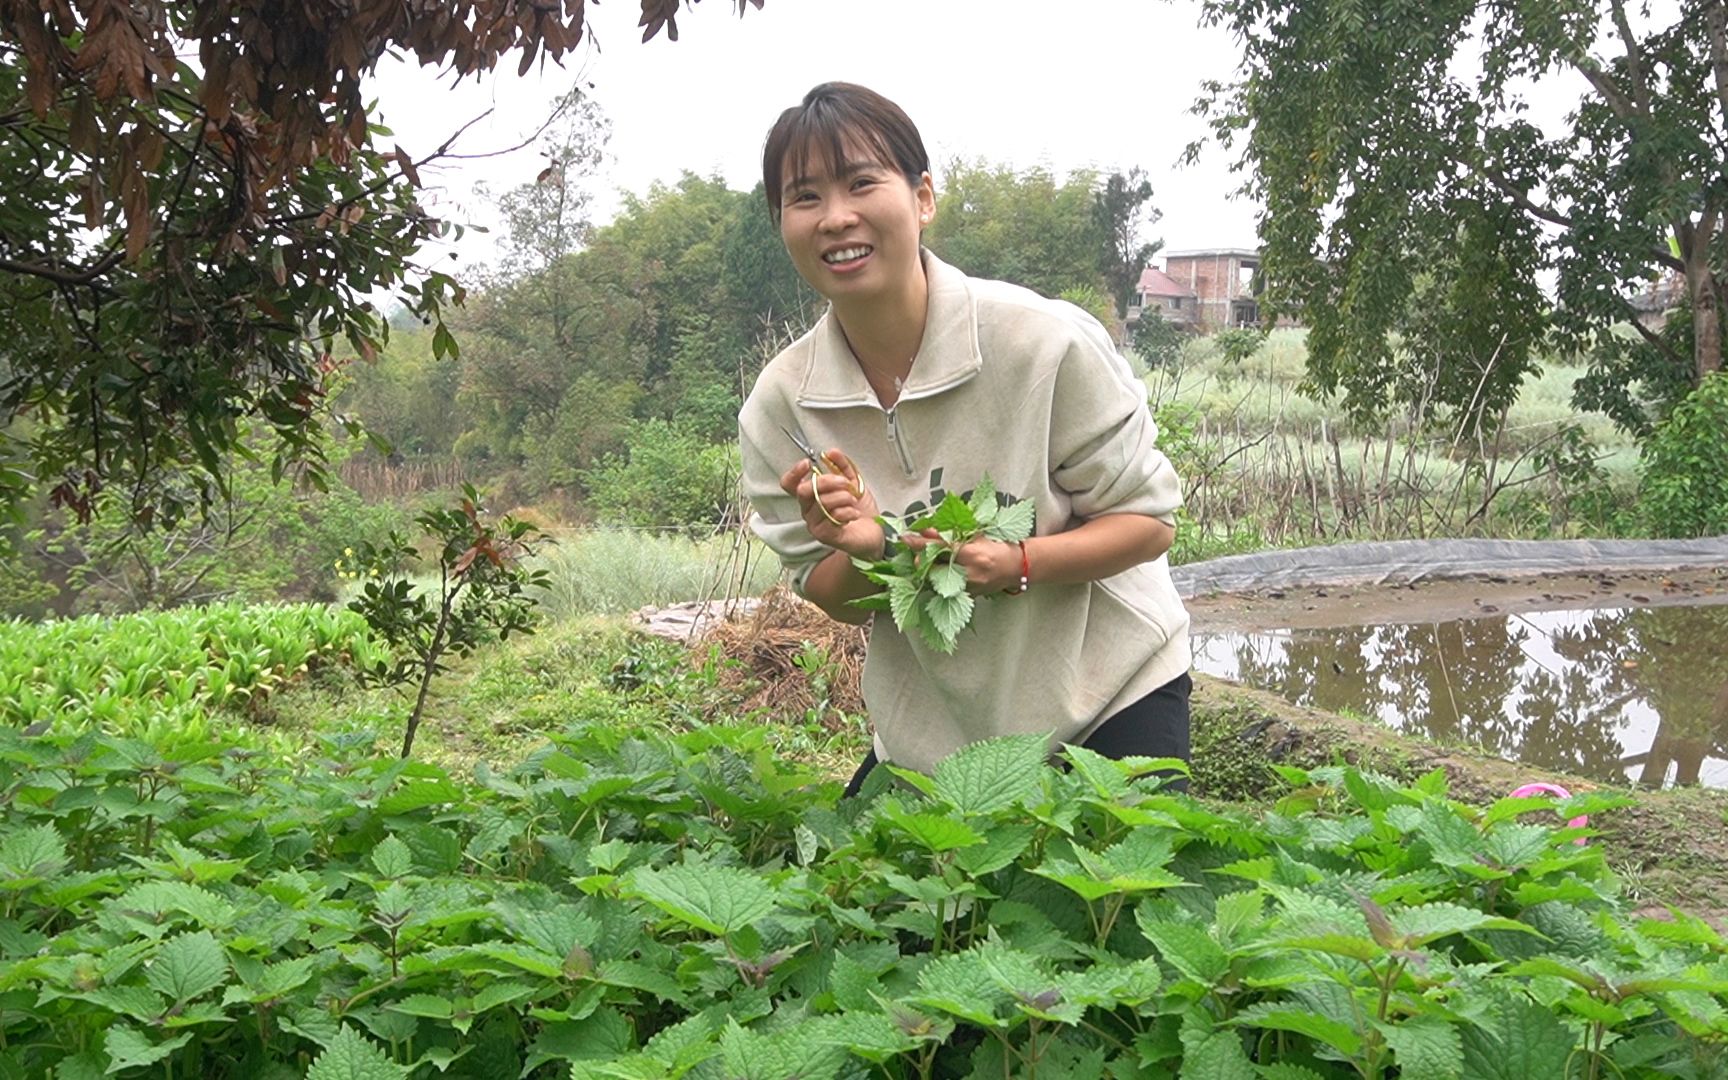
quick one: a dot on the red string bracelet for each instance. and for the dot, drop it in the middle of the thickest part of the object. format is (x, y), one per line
(1025, 572)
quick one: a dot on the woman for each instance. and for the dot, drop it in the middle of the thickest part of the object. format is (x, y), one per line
(920, 380)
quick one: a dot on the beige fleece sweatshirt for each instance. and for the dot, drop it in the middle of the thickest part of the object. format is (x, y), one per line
(1032, 392)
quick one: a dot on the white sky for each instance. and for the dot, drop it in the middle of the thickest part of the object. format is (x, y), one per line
(1076, 83)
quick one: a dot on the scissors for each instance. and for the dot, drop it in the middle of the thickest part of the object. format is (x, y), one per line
(821, 465)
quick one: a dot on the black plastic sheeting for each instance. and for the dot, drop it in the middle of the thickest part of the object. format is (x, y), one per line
(1401, 562)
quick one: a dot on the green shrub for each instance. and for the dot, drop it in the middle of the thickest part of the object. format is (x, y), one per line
(1685, 478)
(668, 477)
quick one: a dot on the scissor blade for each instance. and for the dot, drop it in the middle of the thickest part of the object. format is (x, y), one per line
(802, 443)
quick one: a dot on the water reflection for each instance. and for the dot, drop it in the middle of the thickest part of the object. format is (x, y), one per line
(1638, 694)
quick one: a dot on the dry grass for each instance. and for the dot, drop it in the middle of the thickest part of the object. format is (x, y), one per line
(799, 660)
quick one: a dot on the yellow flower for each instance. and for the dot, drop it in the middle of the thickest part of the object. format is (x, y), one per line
(348, 552)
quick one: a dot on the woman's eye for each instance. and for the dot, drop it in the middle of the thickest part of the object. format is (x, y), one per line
(863, 181)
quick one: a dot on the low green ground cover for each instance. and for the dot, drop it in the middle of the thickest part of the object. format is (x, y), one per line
(165, 668)
(653, 893)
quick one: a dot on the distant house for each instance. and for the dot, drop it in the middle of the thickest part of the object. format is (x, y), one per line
(1222, 282)
(1158, 292)
(1651, 306)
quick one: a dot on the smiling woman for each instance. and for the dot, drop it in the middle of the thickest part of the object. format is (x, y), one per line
(931, 382)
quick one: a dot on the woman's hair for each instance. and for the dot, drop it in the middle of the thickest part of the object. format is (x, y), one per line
(824, 120)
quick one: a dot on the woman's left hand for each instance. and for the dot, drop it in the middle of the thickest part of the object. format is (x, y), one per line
(990, 565)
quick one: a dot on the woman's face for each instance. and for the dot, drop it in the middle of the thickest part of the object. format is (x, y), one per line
(852, 228)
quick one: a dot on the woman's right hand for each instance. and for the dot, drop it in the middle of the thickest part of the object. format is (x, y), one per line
(850, 523)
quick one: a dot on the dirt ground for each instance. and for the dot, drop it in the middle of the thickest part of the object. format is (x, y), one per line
(1435, 601)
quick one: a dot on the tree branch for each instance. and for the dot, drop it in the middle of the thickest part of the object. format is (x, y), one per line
(1518, 197)
(1716, 20)
(1634, 59)
(1651, 337)
(1599, 79)
(61, 276)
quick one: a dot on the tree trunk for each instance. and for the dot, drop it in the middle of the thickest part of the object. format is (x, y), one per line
(1706, 325)
(1705, 293)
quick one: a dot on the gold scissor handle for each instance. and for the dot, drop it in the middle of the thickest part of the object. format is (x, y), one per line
(821, 465)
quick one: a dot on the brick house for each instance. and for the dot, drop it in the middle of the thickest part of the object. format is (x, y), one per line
(1222, 282)
(1158, 292)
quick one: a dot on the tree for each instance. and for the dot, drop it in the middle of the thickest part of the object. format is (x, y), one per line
(1022, 227)
(1122, 211)
(182, 246)
(1407, 191)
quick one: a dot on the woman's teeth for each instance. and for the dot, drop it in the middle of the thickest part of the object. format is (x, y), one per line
(846, 254)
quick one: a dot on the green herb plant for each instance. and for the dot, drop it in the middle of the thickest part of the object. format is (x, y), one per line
(924, 590)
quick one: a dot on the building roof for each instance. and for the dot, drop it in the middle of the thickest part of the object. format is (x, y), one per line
(1155, 282)
(1213, 253)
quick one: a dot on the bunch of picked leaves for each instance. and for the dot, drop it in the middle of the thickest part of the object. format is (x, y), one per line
(924, 590)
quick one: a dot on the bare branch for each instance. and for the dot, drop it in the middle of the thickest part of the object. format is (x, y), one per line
(1599, 79)
(1519, 197)
(1716, 20)
(63, 276)
(1634, 59)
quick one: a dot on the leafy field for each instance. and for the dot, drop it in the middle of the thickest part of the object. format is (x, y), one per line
(651, 902)
(164, 671)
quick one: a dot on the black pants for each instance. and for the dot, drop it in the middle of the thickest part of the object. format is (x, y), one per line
(1154, 726)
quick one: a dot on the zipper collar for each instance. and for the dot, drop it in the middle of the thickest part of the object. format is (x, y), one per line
(947, 356)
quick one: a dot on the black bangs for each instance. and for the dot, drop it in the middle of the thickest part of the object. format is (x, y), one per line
(815, 134)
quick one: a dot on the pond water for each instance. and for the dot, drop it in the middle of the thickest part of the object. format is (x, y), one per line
(1621, 695)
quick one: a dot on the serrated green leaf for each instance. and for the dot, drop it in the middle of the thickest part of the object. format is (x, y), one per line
(1187, 948)
(136, 1002)
(419, 795)
(130, 1049)
(960, 984)
(352, 1056)
(935, 832)
(852, 983)
(948, 615)
(781, 1055)
(1332, 1033)
(1455, 842)
(870, 1035)
(983, 501)
(1002, 844)
(1216, 1056)
(392, 858)
(903, 604)
(948, 580)
(1013, 523)
(718, 899)
(188, 965)
(993, 774)
(1517, 1039)
(952, 514)
(1519, 845)
(437, 1008)
(1430, 922)
(32, 854)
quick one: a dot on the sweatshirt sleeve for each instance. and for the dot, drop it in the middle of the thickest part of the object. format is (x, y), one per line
(775, 517)
(1102, 438)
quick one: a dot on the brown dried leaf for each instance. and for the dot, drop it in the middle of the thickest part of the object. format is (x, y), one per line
(150, 147)
(465, 560)
(82, 130)
(407, 164)
(216, 94)
(93, 199)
